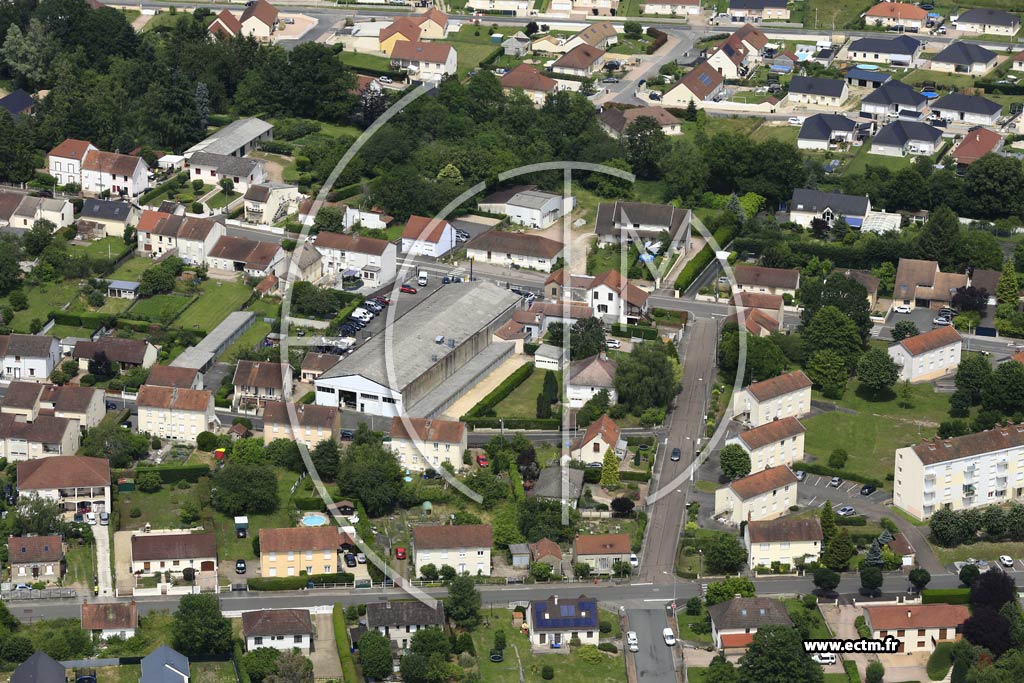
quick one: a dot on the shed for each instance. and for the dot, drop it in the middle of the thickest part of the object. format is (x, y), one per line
(427, 507)
(241, 527)
(520, 555)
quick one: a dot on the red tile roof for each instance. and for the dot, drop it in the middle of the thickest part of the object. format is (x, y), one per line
(784, 530)
(277, 622)
(602, 544)
(771, 432)
(998, 439)
(111, 163)
(888, 617)
(173, 398)
(976, 144)
(931, 340)
(545, 547)
(63, 471)
(226, 23)
(702, 80)
(404, 26)
(526, 77)
(250, 373)
(301, 538)
(261, 10)
(757, 300)
(759, 276)
(21, 549)
(71, 149)
(452, 536)
(731, 640)
(763, 481)
(416, 51)
(779, 386)
(604, 427)
(442, 431)
(308, 415)
(354, 243)
(416, 228)
(897, 10)
(173, 546)
(168, 376)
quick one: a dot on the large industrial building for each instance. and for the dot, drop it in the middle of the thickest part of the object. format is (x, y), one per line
(436, 350)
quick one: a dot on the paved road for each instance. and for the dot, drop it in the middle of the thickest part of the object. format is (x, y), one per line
(666, 515)
(656, 662)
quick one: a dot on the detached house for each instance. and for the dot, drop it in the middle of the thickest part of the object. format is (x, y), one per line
(312, 424)
(767, 494)
(616, 121)
(779, 442)
(893, 98)
(819, 92)
(465, 547)
(64, 162)
(900, 51)
(173, 552)
(36, 558)
(928, 356)
(29, 210)
(601, 436)
(514, 249)
(31, 401)
(426, 62)
(823, 131)
(899, 138)
(613, 298)
(427, 237)
(602, 551)
(422, 444)
(532, 83)
(107, 218)
(213, 168)
(967, 109)
(39, 667)
(259, 20)
(904, 15)
(977, 143)
(315, 364)
(257, 382)
(267, 203)
(589, 377)
(738, 55)
(964, 58)
(281, 629)
(174, 413)
(755, 11)
(787, 395)
(921, 283)
(118, 174)
(767, 280)
(673, 7)
(582, 60)
(128, 353)
(398, 621)
(291, 551)
(786, 541)
(919, 628)
(629, 222)
(735, 622)
(71, 481)
(29, 357)
(555, 622)
(703, 83)
(224, 25)
(110, 619)
(986, 21)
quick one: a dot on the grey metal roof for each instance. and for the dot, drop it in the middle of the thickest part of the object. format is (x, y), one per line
(519, 549)
(869, 76)
(810, 85)
(904, 45)
(212, 344)
(558, 483)
(899, 133)
(164, 665)
(752, 613)
(822, 126)
(994, 17)
(231, 137)
(895, 92)
(106, 210)
(964, 54)
(817, 201)
(123, 284)
(532, 199)
(972, 104)
(39, 668)
(224, 164)
(455, 312)
(612, 216)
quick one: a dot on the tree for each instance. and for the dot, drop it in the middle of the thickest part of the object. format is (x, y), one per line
(500, 642)
(35, 515)
(372, 474)
(989, 629)
(993, 589)
(326, 459)
(543, 410)
(970, 299)
(249, 451)
(727, 589)
(632, 29)
(148, 482)
(463, 602)
(540, 571)
(199, 628)
(969, 573)
(551, 389)
(1008, 289)
(284, 453)
(946, 528)
(429, 572)
(38, 237)
(870, 579)
(245, 489)
(735, 461)
(874, 555)
(832, 330)
(610, 470)
(840, 292)
(292, 667)
(724, 555)
(646, 147)
(972, 377)
(117, 444)
(838, 552)
(648, 377)
(586, 338)
(10, 271)
(531, 28)
(777, 655)
(765, 358)
(904, 329)
(721, 670)
(375, 655)
(827, 517)
(826, 580)
(828, 370)
(837, 458)
(262, 662)
(874, 673)
(227, 186)
(919, 578)
(993, 520)
(686, 173)
(877, 371)
(940, 238)
(155, 280)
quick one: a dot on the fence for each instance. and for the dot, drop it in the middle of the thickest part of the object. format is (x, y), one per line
(34, 594)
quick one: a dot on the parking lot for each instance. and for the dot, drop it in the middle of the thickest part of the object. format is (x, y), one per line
(815, 490)
(922, 317)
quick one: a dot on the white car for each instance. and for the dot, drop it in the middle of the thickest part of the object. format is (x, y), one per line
(385, 79)
(634, 561)
(90, 518)
(669, 636)
(846, 511)
(613, 343)
(902, 309)
(631, 641)
(1006, 560)
(796, 120)
(824, 658)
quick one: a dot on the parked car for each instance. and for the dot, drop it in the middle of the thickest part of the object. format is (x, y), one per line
(676, 455)
(481, 460)
(382, 300)
(800, 475)
(846, 511)
(824, 658)
(399, 553)
(1006, 560)
(350, 560)
(407, 289)
(656, 96)
(903, 308)
(634, 561)
(90, 518)
(796, 120)
(347, 434)
(947, 312)
(361, 558)
(631, 641)
(104, 518)
(240, 566)
(385, 79)
(110, 405)
(596, 465)
(867, 489)
(942, 322)
(836, 481)
(613, 343)
(669, 636)
(610, 79)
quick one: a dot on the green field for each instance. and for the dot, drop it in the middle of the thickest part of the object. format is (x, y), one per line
(221, 200)
(787, 134)
(230, 546)
(42, 299)
(201, 672)
(132, 269)
(686, 622)
(162, 308)
(115, 305)
(631, 46)
(940, 78)
(359, 60)
(522, 402)
(218, 299)
(629, 8)
(61, 331)
(837, 13)
(861, 160)
(108, 247)
(981, 551)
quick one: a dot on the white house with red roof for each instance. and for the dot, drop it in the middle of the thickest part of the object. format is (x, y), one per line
(427, 237)
(787, 395)
(601, 435)
(780, 442)
(426, 62)
(64, 162)
(614, 298)
(928, 356)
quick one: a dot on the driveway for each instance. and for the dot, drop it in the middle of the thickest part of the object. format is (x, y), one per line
(102, 535)
(655, 662)
(905, 667)
(325, 652)
(123, 561)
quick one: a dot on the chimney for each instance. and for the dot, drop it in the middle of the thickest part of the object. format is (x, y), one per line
(556, 598)
(908, 615)
(737, 595)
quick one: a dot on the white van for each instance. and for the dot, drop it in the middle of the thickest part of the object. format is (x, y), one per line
(362, 314)
(422, 279)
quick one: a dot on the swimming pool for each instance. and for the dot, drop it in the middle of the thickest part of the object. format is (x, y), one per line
(313, 519)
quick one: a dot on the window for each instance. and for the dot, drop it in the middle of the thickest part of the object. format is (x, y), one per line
(258, 640)
(298, 639)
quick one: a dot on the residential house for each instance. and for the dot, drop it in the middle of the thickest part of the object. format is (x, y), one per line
(602, 551)
(893, 98)
(767, 494)
(36, 559)
(601, 436)
(113, 217)
(372, 260)
(600, 34)
(977, 143)
(755, 320)
(516, 45)
(110, 619)
(18, 103)
(919, 628)
(192, 239)
(967, 109)
(772, 399)
(31, 401)
(122, 289)
(293, 550)
(993, 22)
(826, 131)
(920, 283)
(311, 425)
(547, 552)
(302, 264)
(464, 547)
(71, 481)
(169, 376)
(315, 364)
(527, 206)
(787, 541)
(562, 484)
(427, 237)
(929, 355)
(257, 382)
(426, 62)
(616, 121)
(557, 622)
(779, 442)
(9, 202)
(514, 250)
(754, 11)
(38, 668)
(899, 138)
(30, 209)
(626, 222)
(164, 665)
(903, 15)
(398, 621)
(224, 25)
(119, 174)
(870, 282)
(531, 82)
(421, 444)
(549, 357)
(767, 280)
(615, 299)
(582, 60)
(403, 28)
(268, 203)
(590, 376)
(241, 255)
(735, 622)
(259, 20)
(243, 172)
(236, 139)
(701, 84)
(30, 357)
(175, 413)
(45, 436)
(173, 552)
(866, 78)
(433, 24)
(964, 58)
(900, 51)
(738, 55)
(818, 92)
(281, 629)
(128, 353)
(373, 220)
(64, 162)
(901, 547)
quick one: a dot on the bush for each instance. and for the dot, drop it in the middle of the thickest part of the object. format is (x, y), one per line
(851, 671)
(940, 661)
(705, 256)
(135, 513)
(148, 482)
(88, 380)
(513, 423)
(547, 672)
(951, 596)
(589, 654)
(348, 665)
(607, 647)
(862, 628)
(810, 601)
(605, 626)
(856, 520)
(638, 331)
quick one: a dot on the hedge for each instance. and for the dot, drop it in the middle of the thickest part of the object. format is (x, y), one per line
(512, 423)
(825, 470)
(308, 503)
(485, 408)
(489, 59)
(629, 475)
(851, 671)
(703, 258)
(291, 583)
(660, 38)
(243, 674)
(172, 474)
(161, 189)
(630, 331)
(348, 664)
(856, 520)
(82, 319)
(993, 88)
(949, 596)
(347, 191)
(530, 349)
(277, 147)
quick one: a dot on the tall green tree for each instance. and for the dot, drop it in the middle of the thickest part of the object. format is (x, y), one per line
(199, 628)
(972, 376)
(370, 473)
(940, 238)
(777, 655)
(831, 330)
(463, 602)
(610, 470)
(837, 291)
(827, 369)
(375, 655)
(827, 517)
(1008, 289)
(646, 146)
(586, 338)
(838, 552)
(877, 371)
(326, 457)
(735, 461)
(724, 555)
(648, 377)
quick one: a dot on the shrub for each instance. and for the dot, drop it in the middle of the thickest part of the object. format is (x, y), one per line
(197, 207)
(547, 672)
(940, 661)
(135, 513)
(172, 474)
(862, 627)
(148, 482)
(607, 647)
(951, 596)
(810, 601)
(88, 380)
(605, 626)
(589, 654)
(838, 458)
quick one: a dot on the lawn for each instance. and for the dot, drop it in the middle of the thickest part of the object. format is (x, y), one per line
(833, 13)
(132, 269)
(686, 623)
(248, 339)
(115, 305)
(939, 78)
(568, 667)
(787, 134)
(861, 160)
(629, 8)
(218, 299)
(289, 173)
(61, 331)
(631, 46)
(161, 509)
(162, 19)
(221, 200)
(981, 551)
(162, 308)
(231, 547)
(108, 247)
(202, 672)
(870, 441)
(42, 299)
(740, 125)
(358, 60)
(522, 402)
(81, 565)
(706, 486)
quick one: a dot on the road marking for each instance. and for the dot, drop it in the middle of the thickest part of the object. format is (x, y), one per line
(812, 501)
(822, 504)
(649, 583)
(817, 482)
(653, 599)
(851, 488)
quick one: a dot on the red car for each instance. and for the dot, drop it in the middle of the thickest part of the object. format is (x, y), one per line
(399, 553)
(481, 460)
(407, 289)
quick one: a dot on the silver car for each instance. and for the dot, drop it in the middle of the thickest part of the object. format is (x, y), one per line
(631, 641)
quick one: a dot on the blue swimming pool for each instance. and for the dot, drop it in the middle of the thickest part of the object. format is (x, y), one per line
(313, 519)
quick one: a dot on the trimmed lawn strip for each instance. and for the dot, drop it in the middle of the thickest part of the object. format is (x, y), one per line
(220, 200)
(132, 269)
(686, 622)
(705, 486)
(522, 402)
(981, 551)
(359, 60)
(217, 301)
(819, 631)
(161, 308)
(107, 247)
(61, 331)
(232, 548)
(870, 441)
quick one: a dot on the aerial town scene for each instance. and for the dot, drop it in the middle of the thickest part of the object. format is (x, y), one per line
(506, 341)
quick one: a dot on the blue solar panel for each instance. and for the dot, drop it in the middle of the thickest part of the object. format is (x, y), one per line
(705, 79)
(568, 616)
(568, 610)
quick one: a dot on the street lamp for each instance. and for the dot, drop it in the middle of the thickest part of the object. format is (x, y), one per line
(675, 582)
(700, 561)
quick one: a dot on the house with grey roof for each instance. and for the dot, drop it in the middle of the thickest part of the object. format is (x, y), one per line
(165, 665)
(29, 357)
(590, 376)
(528, 206)
(564, 484)
(112, 217)
(235, 139)
(820, 92)
(735, 622)
(624, 222)
(399, 620)
(899, 138)
(964, 58)
(808, 205)
(267, 203)
(122, 289)
(993, 22)
(18, 103)
(822, 131)
(866, 78)
(899, 51)
(40, 668)
(970, 110)
(213, 168)
(893, 98)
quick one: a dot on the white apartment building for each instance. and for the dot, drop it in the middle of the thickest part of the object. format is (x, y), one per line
(767, 494)
(175, 414)
(928, 356)
(464, 547)
(780, 442)
(787, 395)
(422, 444)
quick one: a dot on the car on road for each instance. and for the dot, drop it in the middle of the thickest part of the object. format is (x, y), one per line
(407, 289)
(669, 636)
(481, 460)
(347, 434)
(676, 454)
(110, 405)
(796, 120)
(350, 560)
(399, 553)
(867, 489)
(240, 566)
(613, 343)
(846, 511)
(824, 658)
(903, 308)
(90, 518)
(610, 79)
(634, 561)
(631, 641)
(800, 475)
(947, 312)
(104, 518)
(1006, 560)
(942, 322)
(836, 482)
